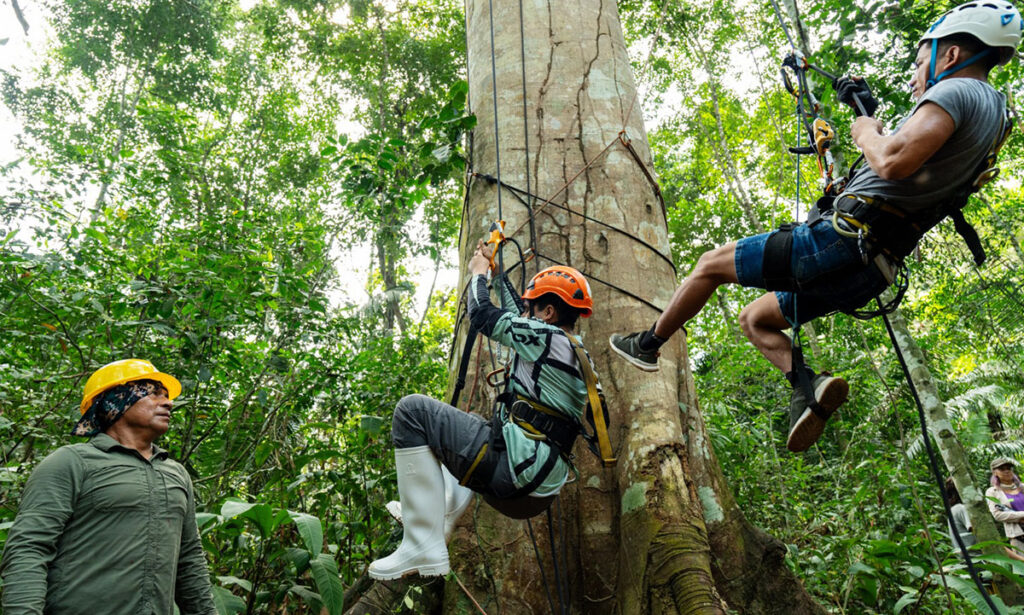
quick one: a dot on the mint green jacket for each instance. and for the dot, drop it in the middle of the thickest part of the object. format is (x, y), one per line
(545, 369)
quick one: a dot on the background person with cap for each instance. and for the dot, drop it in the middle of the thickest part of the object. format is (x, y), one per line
(1006, 500)
(108, 526)
(961, 524)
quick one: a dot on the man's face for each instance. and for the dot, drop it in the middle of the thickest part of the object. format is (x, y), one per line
(151, 413)
(919, 81)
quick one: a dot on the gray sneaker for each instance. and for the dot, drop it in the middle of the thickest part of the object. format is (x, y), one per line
(628, 347)
(805, 424)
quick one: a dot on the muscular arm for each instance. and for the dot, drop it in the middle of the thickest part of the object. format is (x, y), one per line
(899, 155)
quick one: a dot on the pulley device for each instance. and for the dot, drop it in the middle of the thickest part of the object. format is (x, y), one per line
(819, 131)
(496, 238)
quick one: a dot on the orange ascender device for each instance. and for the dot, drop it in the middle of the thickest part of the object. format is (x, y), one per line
(497, 237)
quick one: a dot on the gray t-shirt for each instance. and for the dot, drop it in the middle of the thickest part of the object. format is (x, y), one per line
(977, 110)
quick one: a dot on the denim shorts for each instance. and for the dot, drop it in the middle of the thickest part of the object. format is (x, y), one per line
(829, 272)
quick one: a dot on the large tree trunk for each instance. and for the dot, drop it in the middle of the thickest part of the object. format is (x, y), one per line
(660, 532)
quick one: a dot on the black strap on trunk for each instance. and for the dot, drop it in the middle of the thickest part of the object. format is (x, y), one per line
(467, 353)
(965, 230)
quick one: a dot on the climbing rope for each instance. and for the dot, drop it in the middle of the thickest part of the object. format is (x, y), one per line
(562, 580)
(561, 575)
(540, 566)
(526, 137)
(497, 139)
(519, 194)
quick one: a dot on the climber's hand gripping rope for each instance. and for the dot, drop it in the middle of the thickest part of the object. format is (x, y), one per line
(854, 91)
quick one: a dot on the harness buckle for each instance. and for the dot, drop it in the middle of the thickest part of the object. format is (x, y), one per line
(529, 430)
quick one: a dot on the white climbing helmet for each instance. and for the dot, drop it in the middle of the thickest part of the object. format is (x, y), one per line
(996, 23)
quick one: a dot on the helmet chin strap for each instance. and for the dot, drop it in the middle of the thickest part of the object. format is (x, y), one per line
(933, 78)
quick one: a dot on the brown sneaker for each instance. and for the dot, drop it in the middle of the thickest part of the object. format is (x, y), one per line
(806, 425)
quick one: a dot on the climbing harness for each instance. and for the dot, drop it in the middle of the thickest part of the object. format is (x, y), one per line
(885, 236)
(545, 424)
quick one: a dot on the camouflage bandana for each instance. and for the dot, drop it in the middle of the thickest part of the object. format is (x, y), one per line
(110, 405)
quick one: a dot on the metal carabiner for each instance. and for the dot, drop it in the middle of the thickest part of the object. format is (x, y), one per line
(489, 378)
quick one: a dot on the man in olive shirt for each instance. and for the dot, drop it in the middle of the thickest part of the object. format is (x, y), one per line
(108, 526)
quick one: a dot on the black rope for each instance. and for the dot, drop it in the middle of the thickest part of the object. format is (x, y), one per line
(934, 465)
(785, 30)
(526, 135)
(565, 554)
(591, 276)
(540, 566)
(563, 606)
(497, 140)
(519, 193)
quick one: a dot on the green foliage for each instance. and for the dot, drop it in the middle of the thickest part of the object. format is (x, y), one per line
(276, 568)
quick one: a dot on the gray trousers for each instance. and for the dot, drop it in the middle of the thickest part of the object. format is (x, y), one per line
(455, 438)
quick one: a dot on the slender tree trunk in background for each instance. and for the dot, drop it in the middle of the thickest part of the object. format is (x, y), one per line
(952, 451)
(730, 321)
(1003, 226)
(20, 15)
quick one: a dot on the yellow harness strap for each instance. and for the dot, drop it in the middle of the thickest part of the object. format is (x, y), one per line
(596, 407)
(476, 462)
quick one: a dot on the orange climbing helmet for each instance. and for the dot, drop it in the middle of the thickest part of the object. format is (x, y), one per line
(567, 283)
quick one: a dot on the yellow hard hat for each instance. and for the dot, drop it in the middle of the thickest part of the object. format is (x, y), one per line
(126, 370)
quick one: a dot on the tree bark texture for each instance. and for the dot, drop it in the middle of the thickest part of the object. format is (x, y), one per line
(659, 532)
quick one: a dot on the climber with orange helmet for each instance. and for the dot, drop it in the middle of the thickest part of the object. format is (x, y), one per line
(109, 526)
(519, 460)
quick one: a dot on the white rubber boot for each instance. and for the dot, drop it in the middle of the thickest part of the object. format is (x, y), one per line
(421, 490)
(456, 500)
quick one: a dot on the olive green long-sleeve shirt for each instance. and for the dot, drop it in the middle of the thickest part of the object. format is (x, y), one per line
(101, 529)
